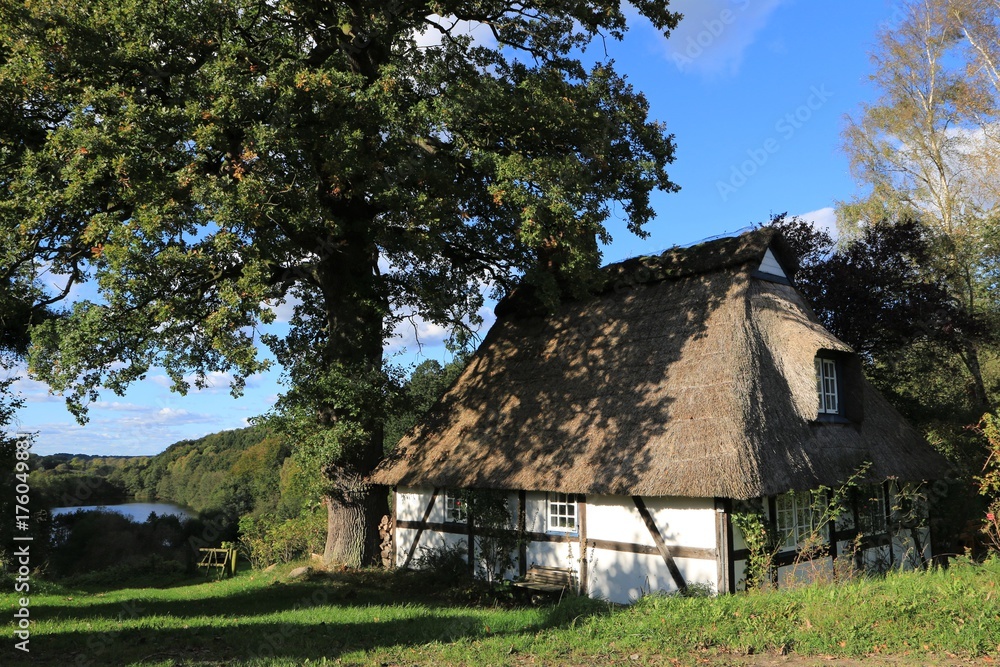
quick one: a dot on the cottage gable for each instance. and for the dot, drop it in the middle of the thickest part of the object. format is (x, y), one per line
(771, 266)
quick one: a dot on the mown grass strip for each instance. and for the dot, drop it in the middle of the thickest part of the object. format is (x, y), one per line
(375, 617)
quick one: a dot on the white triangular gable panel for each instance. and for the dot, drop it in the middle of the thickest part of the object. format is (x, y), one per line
(770, 265)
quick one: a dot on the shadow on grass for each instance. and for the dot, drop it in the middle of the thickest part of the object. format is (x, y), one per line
(249, 638)
(322, 621)
(271, 599)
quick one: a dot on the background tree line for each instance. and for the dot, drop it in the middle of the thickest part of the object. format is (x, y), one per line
(246, 482)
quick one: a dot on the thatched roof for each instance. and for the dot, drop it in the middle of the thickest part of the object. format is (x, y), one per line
(688, 375)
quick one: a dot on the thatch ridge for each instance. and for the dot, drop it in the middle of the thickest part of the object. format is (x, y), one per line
(684, 376)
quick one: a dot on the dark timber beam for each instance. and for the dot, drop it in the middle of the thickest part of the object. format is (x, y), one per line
(581, 508)
(661, 545)
(420, 530)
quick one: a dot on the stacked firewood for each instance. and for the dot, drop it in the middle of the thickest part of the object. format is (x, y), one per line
(385, 541)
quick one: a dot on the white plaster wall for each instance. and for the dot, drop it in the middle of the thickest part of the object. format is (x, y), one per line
(740, 572)
(615, 518)
(404, 538)
(411, 503)
(554, 554)
(876, 558)
(738, 541)
(687, 522)
(535, 511)
(845, 549)
(625, 577)
(905, 550)
(429, 539)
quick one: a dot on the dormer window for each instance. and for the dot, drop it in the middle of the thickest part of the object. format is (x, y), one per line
(827, 387)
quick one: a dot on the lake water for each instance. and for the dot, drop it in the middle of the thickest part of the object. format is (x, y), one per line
(134, 510)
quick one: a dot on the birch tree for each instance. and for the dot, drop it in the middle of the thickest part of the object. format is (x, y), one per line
(928, 147)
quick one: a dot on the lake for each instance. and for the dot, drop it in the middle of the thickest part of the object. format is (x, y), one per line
(134, 510)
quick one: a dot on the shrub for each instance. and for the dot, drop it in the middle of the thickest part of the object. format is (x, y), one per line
(446, 564)
(265, 539)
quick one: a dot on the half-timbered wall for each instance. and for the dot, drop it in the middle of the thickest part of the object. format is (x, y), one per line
(623, 548)
(626, 547)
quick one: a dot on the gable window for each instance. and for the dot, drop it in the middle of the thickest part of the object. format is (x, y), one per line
(795, 517)
(826, 386)
(455, 509)
(562, 513)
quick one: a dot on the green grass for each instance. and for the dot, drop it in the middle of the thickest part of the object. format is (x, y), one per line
(382, 618)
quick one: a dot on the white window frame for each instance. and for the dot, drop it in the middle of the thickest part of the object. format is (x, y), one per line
(827, 391)
(455, 507)
(563, 513)
(795, 517)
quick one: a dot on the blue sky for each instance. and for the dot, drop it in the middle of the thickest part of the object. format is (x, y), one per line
(756, 93)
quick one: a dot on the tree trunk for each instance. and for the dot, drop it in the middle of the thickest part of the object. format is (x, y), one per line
(353, 514)
(355, 308)
(970, 356)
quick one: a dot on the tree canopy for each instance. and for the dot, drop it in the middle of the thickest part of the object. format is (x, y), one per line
(927, 148)
(200, 161)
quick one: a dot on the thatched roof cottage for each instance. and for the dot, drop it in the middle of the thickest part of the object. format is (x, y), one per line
(625, 426)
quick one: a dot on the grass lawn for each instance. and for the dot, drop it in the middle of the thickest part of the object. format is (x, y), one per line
(370, 617)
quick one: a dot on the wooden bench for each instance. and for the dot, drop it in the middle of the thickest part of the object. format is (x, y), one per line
(548, 579)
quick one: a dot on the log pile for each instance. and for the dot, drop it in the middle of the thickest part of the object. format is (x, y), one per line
(385, 541)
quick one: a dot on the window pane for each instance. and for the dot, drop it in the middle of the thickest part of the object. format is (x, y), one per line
(562, 512)
(819, 384)
(454, 508)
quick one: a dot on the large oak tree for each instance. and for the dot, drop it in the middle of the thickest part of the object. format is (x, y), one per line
(199, 161)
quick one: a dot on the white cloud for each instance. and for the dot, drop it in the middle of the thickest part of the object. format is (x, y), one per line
(283, 311)
(415, 333)
(480, 32)
(215, 381)
(824, 219)
(117, 406)
(714, 34)
(34, 391)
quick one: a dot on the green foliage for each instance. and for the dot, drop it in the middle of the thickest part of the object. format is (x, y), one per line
(426, 384)
(9, 404)
(101, 544)
(761, 543)
(265, 539)
(234, 471)
(445, 563)
(496, 544)
(989, 481)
